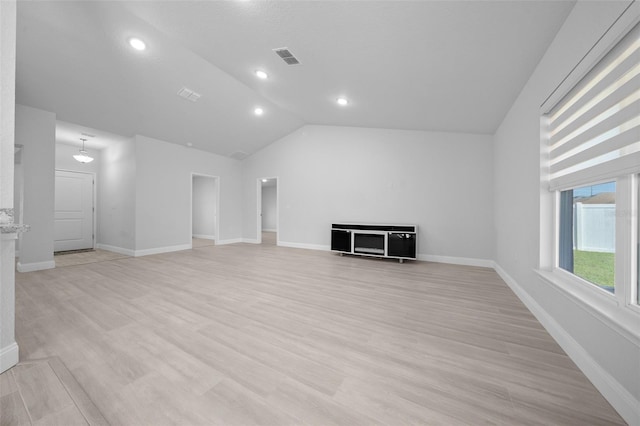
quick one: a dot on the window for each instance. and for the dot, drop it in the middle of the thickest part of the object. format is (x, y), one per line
(592, 133)
(595, 130)
(587, 233)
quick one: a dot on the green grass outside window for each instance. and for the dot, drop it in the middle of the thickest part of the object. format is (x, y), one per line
(595, 267)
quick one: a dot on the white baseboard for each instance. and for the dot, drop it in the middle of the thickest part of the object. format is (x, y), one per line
(427, 257)
(159, 250)
(230, 241)
(621, 399)
(304, 246)
(269, 230)
(467, 261)
(35, 266)
(9, 357)
(204, 236)
(119, 250)
(251, 241)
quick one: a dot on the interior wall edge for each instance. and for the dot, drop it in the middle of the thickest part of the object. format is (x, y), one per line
(251, 241)
(160, 250)
(9, 356)
(115, 249)
(454, 260)
(204, 236)
(35, 266)
(319, 247)
(228, 241)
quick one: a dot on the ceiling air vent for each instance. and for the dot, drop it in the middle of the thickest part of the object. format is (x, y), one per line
(239, 155)
(189, 94)
(286, 55)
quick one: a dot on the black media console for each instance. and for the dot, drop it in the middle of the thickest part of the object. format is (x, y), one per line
(391, 241)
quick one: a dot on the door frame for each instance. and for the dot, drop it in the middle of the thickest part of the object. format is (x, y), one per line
(217, 218)
(94, 201)
(259, 208)
(18, 204)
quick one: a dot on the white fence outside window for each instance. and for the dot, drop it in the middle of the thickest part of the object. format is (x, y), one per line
(594, 227)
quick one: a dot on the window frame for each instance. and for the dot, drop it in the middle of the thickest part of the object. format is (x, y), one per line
(557, 237)
(621, 309)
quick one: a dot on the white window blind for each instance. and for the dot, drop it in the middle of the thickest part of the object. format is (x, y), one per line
(594, 131)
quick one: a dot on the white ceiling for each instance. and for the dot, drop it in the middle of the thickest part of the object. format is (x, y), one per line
(71, 134)
(420, 65)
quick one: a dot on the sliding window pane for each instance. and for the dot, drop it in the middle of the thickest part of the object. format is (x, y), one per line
(587, 233)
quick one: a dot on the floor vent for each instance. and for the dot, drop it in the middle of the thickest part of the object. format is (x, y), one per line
(286, 55)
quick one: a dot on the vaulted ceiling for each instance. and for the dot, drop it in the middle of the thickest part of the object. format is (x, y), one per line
(421, 65)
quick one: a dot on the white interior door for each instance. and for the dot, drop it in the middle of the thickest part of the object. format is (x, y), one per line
(73, 229)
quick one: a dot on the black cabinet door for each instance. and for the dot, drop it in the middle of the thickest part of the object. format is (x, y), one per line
(401, 245)
(340, 240)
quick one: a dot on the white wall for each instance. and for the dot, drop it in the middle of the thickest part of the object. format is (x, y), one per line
(203, 213)
(8, 346)
(117, 196)
(163, 191)
(144, 189)
(18, 191)
(269, 204)
(36, 130)
(608, 358)
(441, 182)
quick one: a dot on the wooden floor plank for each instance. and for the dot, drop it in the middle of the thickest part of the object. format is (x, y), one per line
(90, 413)
(41, 390)
(261, 334)
(13, 411)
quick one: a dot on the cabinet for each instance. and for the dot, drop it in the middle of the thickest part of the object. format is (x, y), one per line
(402, 244)
(340, 240)
(390, 241)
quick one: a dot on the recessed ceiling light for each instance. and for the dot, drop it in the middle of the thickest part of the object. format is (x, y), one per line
(137, 44)
(342, 101)
(258, 111)
(265, 180)
(261, 74)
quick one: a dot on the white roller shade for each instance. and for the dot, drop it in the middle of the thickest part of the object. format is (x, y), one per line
(594, 131)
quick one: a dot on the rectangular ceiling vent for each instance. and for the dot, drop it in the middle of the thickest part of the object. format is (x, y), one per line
(286, 55)
(239, 155)
(89, 135)
(189, 94)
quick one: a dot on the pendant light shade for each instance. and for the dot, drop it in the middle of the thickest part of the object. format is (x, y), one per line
(83, 157)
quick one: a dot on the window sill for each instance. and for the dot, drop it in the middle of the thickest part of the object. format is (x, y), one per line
(624, 319)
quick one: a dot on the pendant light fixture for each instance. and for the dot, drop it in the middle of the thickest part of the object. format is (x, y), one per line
(83, 157)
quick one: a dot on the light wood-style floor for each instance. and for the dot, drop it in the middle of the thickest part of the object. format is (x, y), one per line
(201, 242)
(82, 258)
(269, 238)
(43, 392)
(257, 334)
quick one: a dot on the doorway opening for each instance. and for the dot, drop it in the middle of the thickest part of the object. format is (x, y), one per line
(74, 216)
(205, 202)
(267, 225)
